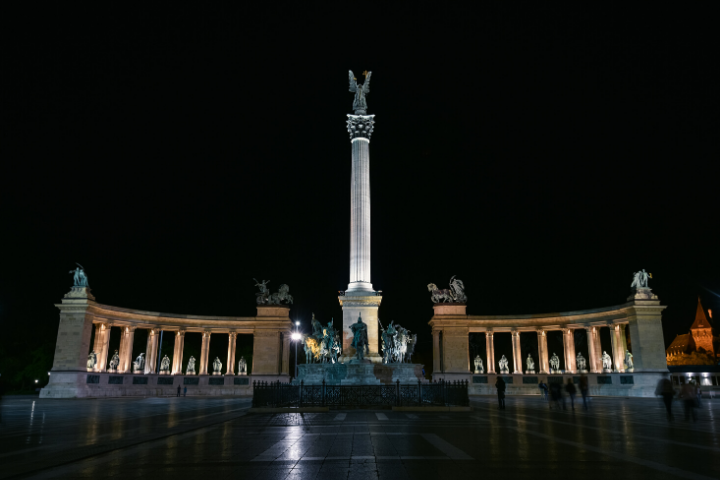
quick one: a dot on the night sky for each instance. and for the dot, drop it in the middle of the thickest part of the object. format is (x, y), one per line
(541, 154)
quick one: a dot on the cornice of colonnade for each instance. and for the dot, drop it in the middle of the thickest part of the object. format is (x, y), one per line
(448, 315)
(269, 319)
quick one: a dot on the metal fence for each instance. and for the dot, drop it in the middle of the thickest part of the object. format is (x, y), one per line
(439, 394)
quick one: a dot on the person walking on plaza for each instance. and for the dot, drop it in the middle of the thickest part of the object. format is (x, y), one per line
(665, 390)
(178, 390)
(185, 392)
(571, 390)
(543, 390)
(500, 385)
(556, 395)
(584, 390)
(688, 393)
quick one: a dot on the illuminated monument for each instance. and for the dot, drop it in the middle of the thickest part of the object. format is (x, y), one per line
(360, 300)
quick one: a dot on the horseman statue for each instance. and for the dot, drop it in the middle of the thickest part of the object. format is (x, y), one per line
(398, 344)
(323, 344)
(455, 294)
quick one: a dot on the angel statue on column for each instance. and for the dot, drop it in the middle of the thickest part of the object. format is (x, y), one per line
(360, 104)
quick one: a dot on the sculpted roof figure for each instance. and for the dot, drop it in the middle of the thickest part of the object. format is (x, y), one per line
(359, 103)
(640, 279)
(79, 279)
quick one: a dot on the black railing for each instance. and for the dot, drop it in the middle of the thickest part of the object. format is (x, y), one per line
(439, 394)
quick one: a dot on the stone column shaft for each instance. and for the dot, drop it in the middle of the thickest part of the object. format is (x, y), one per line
(592, 351)
(178, 352)
(543, 361)
(204, 353)
(569, 344)
(126, 349)
(618, 354)
(598, 350)
(103, 335)
(490, 347)
(151, 351)
(517, 355)
(360, 216)
(232, 341)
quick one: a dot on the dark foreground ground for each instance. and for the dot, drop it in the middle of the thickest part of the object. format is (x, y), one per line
(215, 438)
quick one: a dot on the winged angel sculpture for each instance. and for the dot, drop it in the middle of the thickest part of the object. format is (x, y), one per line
(360, 104)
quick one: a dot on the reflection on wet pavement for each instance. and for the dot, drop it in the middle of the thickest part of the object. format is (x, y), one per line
(215, 437)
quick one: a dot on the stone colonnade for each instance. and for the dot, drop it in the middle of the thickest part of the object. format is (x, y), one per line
(451, 327)
(79, 311)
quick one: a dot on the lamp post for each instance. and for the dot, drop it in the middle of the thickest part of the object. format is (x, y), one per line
(296, 338)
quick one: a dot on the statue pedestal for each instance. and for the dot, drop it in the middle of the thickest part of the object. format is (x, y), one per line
(407, 373)
(529, 372)
(607, 370)
(360, 372)
(642, 294)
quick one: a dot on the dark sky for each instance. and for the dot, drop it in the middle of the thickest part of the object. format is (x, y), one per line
(541, 154)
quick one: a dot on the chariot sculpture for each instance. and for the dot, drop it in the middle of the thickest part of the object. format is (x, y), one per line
(264, 297)
(455, 294)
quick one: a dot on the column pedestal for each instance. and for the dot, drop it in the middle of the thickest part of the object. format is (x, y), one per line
(365, 307)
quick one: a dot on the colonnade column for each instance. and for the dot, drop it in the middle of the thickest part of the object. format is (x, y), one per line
(598, 349)
(569, 344)
(490, 347)
(543, 352)
(151, 351)
(178, 353)
(204, 352)
(592, 349)
(126, 349)
(232, 341)
(618, 354)
(102, 341)
(517, 355)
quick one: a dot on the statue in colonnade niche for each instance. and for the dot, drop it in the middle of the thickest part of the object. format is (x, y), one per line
(581, 363)
(479, 367)
(555, 363)
(139, 363)
(92, 361)
(629, 365)
(503, 364)
(217, 366)
(114, 362)
(165, 365)
(242, 366)
(190, 366)
(607, 362)
(79, 277)
(530, 364)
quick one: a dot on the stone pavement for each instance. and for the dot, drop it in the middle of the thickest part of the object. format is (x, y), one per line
(216, 438)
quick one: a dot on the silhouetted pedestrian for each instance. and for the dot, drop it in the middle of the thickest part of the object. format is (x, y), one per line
(570, 389)
(556, 395)
(584, 390)
(178, 390)
(688, 393)
(543, 390)
(185, 392)
(665, 390)
(500, 385)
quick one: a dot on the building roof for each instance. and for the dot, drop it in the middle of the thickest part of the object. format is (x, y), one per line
(681, 342)
(701, 320)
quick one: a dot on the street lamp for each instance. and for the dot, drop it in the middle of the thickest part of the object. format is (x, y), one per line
(296, 338)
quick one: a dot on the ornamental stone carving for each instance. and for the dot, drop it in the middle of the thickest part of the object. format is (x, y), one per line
(360, 126)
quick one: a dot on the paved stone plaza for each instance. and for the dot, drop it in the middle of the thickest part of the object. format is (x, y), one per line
(216, 438)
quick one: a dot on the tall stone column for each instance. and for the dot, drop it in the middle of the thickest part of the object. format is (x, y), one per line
(360, 300)
(232, 341)
(569, 347)
(618, 354)
(178, 352)
(593, 354)
(151, 351)
(517, 355)
(102, 343)
(490, 348)
(127, 337)
(543, 361)
(204, 352)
